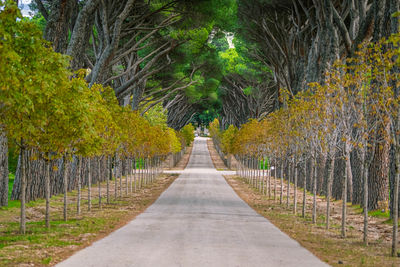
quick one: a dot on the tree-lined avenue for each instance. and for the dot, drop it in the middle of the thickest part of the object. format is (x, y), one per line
(197, 221)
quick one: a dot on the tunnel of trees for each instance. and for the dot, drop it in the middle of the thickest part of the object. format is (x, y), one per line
(194, 61)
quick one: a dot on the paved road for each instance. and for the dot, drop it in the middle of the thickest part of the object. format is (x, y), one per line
(197, 221)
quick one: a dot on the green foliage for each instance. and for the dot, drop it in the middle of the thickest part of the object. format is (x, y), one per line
(188, 134)
(215, 130)
(156, 116)
(174, 141)
(228, 139)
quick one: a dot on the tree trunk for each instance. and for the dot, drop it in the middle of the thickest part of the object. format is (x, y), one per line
(269, 181)
(109, 178)
(115, 178)
(23, 190)
(99, 180)
(282, 171)
(288, 184)
(303, 211)
(344, 192)
(120, 181)
(78, 200)
(329, 188)
(130, 175)
(3, 169)
(263, 178)
(126, 173)
(396, 197)
(365, 199)
(378, 181)
(314, 212)
(296, 171)
(275, 170)
(47, 192)
(321, 173)
(89, 186)
(65, 179)
(134, 173)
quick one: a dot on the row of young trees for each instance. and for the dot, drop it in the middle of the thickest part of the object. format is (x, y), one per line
(327, 134)
(54, 118)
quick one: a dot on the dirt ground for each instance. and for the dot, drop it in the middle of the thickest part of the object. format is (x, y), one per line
(216, 159)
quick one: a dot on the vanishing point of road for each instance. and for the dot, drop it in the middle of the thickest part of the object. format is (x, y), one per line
(198, 221)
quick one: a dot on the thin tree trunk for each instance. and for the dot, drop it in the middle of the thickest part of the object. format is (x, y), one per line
(115, 178)
(78, 201)
(288, 184)
(275, 167)
(109, 178)
(396, 199)
(134, 173)
(130, 175)
(365, 200)
(89, 186)
(315, 174)
(23, 190)
(126, 172)
(296, 172)
(344, 193)
(65, 178)
(269, 181)
(329, 190)
(303, 211)
(263, 178)
(120, 182)
(282, 171)
(99, 180)
(47, 192)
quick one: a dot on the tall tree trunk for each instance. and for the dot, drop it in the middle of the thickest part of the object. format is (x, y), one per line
(130, 175)
(263, 178)
(23, 189)
(126, 173)
(329, 188)
(3, 168)
(365, 184)
(282, 171)
(321, 173)
(344, 192)
(89, 185)
(395, 216)
(314, 212)
(99, 180)
(349, 177)
(115, 178)
(134, 173)
(78, 200)
(378, 178)
(269, 180)
(275, 170)
(303, 211)
(396, 201)
(47, 192)
(296, 172)
(65, 179)
(288, 183)
(109, 178)
(120, 179)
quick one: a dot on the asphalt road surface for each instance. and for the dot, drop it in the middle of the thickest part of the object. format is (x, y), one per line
(198, 221)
